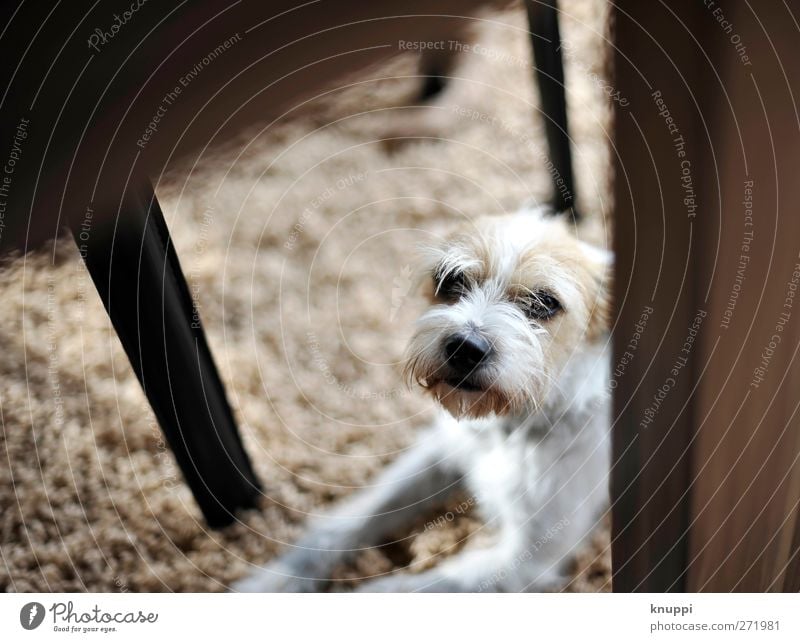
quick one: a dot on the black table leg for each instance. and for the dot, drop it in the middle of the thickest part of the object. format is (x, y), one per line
(546, 41)
(136, 271)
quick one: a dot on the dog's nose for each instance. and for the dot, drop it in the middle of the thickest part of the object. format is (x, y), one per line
(465, 352)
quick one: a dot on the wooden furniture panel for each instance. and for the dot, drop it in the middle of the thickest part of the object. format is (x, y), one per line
(706, 490)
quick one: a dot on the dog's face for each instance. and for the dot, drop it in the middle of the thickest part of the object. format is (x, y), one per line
(513, 298)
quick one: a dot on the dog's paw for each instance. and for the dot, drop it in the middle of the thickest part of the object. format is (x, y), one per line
(388, 584)
(276, 578)
(554, 582)
(408, 583)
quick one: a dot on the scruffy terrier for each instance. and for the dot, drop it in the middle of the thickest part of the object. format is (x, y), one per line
(515, 349)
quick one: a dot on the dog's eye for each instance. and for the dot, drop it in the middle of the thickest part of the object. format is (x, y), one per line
(541, 305)
(450, 286)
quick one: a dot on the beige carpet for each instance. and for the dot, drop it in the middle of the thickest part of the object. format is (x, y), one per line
(297, 240)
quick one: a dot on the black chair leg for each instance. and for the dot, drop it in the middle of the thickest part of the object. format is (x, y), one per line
(137, 274)
(546, 41)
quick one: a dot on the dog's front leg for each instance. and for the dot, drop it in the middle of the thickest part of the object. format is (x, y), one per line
(501, 568)
(419, 479)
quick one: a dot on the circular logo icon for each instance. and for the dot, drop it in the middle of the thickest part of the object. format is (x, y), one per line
(31, 615)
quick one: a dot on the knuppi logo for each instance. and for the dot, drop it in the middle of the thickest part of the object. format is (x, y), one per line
(31, 615)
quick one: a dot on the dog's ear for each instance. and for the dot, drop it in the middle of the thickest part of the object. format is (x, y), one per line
(601, 270)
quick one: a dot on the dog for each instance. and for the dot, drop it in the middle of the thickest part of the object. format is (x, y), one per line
(515, 350)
